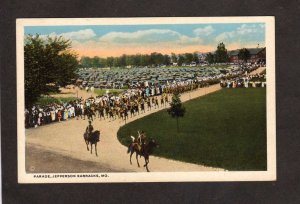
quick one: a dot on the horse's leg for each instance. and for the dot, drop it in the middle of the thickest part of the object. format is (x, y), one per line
(131, 153)
(146, 164)
(91, 148)
(137, 160)
(96, 149)
(146, 161)
(87, 145)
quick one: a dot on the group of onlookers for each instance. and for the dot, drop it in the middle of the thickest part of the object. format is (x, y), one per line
(245, 81)
(131, 101)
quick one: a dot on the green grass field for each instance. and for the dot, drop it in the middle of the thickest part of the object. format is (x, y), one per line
(226, 129)
(46, 100)
(100, 92)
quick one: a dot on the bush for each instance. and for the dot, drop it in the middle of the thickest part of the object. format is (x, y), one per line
(46, 100)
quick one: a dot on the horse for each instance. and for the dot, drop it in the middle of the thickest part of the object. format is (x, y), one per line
(144, 151)
(89, 113)
(91, 139)
(78, 112)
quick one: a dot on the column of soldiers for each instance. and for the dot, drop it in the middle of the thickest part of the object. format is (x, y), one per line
(124, 107)
(129, 104)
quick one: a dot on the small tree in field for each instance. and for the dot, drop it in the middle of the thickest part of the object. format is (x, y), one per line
(176, 110)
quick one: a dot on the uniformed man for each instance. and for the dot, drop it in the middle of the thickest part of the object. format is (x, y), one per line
(89, 129)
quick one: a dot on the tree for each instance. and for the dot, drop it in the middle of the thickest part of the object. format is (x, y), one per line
(188, 58)
(244, 54)
(85, 62)
(122, 60)
(176, 110)
(180, 60)
(196, 57)
(210, 58)
(173, 58)
(167, 60)
(117, 62)
(137, 60)
(130, 60)
(109, 61)
(145, 60)
(49, 64)
(96, 62)
(221, 53)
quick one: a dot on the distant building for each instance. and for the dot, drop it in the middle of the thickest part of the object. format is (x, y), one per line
(202, 57)
(256, 55)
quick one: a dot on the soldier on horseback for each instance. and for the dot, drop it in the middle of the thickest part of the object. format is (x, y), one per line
(89, 129)
(141, 139)
(91, 137)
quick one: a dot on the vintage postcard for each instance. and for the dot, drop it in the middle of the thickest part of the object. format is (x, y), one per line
(146, 99)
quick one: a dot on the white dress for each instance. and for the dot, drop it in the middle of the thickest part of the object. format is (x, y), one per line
(53, 115)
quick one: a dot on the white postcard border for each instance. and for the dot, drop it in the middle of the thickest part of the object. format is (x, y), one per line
(104, 177)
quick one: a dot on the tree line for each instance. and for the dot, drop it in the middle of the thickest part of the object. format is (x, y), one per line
(221, 55)
(50, 63)
(139, 60)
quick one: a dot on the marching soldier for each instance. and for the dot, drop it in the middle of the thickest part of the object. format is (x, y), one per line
(148, 103)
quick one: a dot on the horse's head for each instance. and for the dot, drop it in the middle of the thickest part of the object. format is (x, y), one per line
(153, 143)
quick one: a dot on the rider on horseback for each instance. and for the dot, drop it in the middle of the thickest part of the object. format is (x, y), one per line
(89, 129)
(141, 139)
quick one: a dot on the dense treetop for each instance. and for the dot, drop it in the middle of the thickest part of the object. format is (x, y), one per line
(49, 64)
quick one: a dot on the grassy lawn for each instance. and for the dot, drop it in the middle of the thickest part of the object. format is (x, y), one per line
(46, 100)
(100, 92)
(226, 129)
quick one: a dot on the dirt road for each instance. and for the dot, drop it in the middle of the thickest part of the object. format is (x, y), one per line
(60, 147)
(65, 140)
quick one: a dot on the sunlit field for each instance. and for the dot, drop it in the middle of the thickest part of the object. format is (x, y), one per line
(226, 129)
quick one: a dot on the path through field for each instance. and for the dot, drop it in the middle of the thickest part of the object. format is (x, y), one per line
(59, 147)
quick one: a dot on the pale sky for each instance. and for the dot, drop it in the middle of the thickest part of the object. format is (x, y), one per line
(115, 40)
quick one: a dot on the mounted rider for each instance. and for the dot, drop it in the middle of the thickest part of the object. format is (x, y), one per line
(141, 139)
(89, 129)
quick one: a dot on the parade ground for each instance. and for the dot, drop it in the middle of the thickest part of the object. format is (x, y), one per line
(66, 139)
(64, 147)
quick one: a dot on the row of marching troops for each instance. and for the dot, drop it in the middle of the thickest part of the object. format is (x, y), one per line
(130, 103)
(127, 104)
(112, 107)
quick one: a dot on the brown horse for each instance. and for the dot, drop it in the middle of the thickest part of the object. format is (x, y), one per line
(146, 151)
(91, 139)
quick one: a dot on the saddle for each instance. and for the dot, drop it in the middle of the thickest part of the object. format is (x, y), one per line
(139, 147)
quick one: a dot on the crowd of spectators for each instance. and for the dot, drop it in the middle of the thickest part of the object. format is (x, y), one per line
(134, 101)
